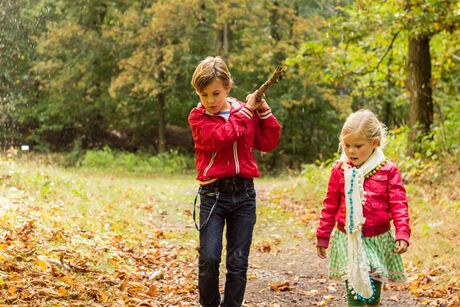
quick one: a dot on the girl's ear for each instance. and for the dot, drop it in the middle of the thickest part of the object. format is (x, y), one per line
(376, 143)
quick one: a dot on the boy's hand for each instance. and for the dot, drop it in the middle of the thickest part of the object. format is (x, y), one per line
(401, 246)
(264, 106)
(251, 102)
(321, 251)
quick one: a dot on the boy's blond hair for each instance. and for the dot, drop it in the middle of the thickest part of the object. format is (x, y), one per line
(210, 69)
(366, 124)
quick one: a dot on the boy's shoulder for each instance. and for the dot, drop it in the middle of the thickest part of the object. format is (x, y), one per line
(235, 102)
(198, 108)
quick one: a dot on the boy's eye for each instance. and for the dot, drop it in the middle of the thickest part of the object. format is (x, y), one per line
(216, 94)
(359, 146)
(347, 146)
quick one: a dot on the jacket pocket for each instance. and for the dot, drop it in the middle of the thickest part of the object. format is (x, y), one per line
(378, 183)
(379, 206)
(378, 213)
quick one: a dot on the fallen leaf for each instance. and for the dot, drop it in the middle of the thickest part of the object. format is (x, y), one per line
(157, 275)
(152, 291)
(280, 286)
(104, 297)
(41, 263)
(328, 298)
(68, 280)
(62, 291)
(394, 298)
(12, 290)
(313, 292)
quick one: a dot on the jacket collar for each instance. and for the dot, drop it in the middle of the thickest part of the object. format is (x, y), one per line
(235, 104)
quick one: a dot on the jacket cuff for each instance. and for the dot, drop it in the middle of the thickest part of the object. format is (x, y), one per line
(402, 236)
(322, 242)
(246, 112)
(264, 114)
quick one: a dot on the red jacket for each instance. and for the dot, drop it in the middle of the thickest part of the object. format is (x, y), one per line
(226, 147)
(386, 200)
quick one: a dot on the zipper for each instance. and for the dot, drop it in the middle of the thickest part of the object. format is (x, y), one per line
(235, 156)
(213, 157)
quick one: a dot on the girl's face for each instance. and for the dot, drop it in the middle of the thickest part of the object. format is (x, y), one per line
(358, 148)
(213, 97)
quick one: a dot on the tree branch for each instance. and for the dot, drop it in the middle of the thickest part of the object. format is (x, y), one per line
(269, 83)
(381, 59)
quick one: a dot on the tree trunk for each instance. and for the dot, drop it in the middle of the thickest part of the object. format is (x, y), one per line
(161, 146)
(388, 114)
(223, 41)
(419, 85)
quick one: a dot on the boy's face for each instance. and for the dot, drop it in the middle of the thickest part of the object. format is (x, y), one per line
(358, 148)
(213, 97)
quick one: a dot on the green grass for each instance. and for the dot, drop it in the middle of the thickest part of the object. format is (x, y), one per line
(93, 201)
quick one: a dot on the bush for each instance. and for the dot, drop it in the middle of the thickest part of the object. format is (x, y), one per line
(168, 162)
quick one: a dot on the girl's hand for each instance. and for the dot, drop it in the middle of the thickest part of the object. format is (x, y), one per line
(401, 246)
(321, 251)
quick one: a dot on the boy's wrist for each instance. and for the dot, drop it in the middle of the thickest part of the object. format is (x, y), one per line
(263, 109)
(250, 107)
(247, 112)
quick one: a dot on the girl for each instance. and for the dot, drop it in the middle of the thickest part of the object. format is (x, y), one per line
(226, 132)
(365, 192)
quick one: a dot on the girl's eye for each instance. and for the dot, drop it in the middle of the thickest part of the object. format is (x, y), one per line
(359, 146)
(216, 94)
(347, 146)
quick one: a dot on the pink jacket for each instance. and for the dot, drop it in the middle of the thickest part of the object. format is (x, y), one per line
(225, 148)
(386, 201)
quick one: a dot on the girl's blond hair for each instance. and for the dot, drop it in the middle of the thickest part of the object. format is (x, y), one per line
(210, 69)
(366, 124)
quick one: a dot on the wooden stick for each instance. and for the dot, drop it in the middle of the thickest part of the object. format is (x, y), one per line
(269, 83)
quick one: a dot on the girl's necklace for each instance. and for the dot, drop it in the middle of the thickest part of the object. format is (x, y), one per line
(376, 169)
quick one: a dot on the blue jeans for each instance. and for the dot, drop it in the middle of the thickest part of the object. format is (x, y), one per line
(236, 206)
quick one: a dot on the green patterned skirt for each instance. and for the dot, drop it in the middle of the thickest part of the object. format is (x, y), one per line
(386, 266)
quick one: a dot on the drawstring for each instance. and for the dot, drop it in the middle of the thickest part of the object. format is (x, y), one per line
(203, 226)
